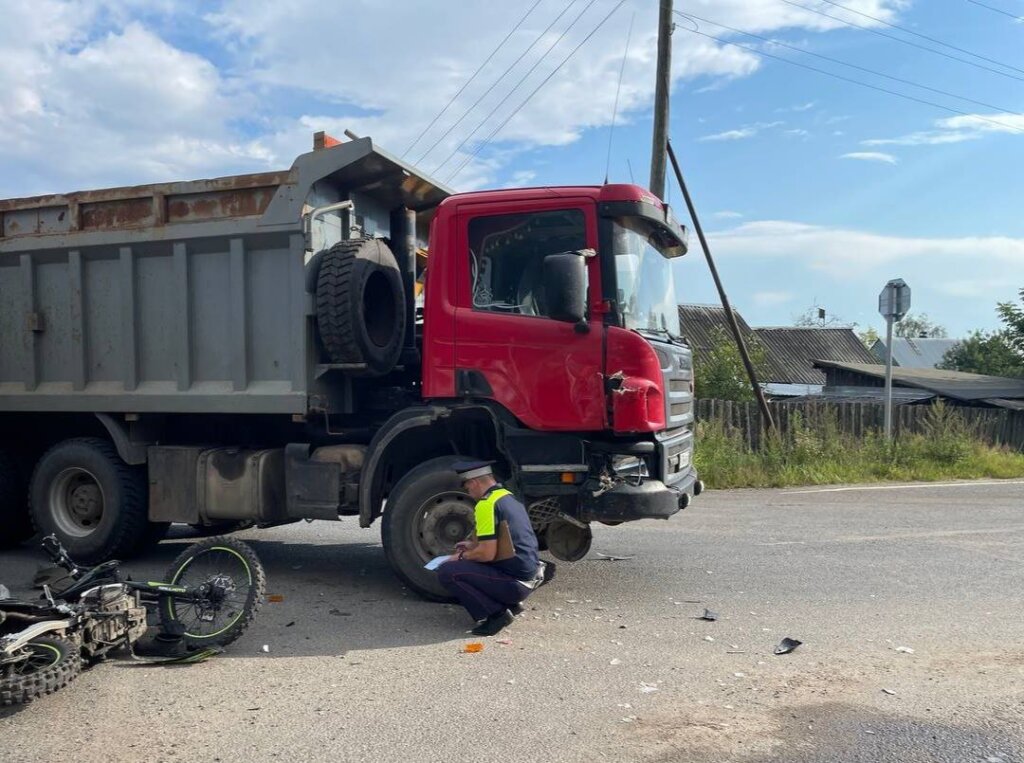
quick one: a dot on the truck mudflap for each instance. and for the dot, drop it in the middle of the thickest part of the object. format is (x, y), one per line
(628, 501)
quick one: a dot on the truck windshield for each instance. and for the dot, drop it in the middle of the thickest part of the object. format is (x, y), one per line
(646, 287)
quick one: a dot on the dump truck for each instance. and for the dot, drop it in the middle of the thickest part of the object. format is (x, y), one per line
(265, 348)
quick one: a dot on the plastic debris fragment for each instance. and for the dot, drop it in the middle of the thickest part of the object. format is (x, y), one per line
(787, 645)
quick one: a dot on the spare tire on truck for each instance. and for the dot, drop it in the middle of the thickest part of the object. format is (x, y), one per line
(360, 306)
(95, 503)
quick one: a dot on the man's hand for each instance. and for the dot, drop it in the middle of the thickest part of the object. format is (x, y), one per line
(463, 546)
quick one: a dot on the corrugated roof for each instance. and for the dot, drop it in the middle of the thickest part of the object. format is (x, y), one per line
(952, 384)
(914, 353)
(792, 351)
(900, 396)
(700, 324)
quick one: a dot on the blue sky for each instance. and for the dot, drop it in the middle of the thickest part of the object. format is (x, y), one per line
(814, 190)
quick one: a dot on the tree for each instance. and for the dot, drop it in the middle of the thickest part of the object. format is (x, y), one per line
(918, 326)
(981, 353)
(1012, 317)
(868, 336)
(720, 375)
(999, 353)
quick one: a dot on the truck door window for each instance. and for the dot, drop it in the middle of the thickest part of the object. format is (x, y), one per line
(507, 257)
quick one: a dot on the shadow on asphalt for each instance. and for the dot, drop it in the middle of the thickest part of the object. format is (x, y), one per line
(324, 599)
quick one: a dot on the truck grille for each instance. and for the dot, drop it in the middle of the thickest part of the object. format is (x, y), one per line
(677, 370)
(676, 450)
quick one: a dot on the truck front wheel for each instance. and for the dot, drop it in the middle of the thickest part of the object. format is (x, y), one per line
(94, 502)
(13, 503)
(426, 514)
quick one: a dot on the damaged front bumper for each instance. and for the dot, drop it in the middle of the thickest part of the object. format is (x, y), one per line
(648, 480)
(644, 498)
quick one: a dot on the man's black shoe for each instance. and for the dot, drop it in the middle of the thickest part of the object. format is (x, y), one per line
(517, 609)
(494, 623)
(550, 568)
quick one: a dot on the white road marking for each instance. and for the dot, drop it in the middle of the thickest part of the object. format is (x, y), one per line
(903, 487)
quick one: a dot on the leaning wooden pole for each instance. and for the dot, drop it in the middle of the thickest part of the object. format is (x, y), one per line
(766, 413)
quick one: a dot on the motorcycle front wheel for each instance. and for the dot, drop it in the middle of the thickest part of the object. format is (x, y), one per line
(45, 664)
(226, 584)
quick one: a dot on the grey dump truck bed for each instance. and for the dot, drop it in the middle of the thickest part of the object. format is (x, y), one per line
(183, 297)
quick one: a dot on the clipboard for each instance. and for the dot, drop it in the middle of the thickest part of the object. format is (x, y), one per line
(506, 548)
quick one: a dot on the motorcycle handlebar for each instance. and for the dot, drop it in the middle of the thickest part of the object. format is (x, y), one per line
(57, 554)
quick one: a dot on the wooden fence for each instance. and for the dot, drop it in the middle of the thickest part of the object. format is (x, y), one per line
(995, 426)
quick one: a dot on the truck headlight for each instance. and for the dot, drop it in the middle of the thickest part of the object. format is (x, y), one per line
(629, 466)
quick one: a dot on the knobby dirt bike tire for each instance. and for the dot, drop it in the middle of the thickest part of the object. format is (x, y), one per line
(66, 664)
(254, 599)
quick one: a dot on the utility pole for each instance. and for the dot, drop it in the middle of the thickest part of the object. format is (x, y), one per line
(730, 317)
(659, 140)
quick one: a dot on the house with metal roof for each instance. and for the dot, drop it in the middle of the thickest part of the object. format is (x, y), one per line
(790, 351)
(867, 381)
(923, 352)
(703, 325)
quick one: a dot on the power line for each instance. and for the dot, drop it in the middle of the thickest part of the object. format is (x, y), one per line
(827, 73)
(519, 84)
(618, 87)
(536, 90)
(467, 83)
(904, 42)
(997, 10)
(852, 66)
(494, 84)
(923, 36)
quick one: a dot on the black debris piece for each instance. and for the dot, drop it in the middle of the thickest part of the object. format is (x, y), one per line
(787, 645)
(709, 616)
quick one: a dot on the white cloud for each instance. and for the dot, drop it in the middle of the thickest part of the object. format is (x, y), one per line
(748, 131)
(957, 130)
(957, 280)
(871, 156)
(797, 132)
(728, 214)
(740, 134)
(798, 108)
(842, 252)
(101, 79)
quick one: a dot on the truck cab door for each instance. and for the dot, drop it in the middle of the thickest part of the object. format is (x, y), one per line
(546, 372)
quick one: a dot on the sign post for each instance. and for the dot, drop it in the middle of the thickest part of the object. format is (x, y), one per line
(893, 304)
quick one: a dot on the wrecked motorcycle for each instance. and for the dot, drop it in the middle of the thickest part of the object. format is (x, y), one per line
(208, 597)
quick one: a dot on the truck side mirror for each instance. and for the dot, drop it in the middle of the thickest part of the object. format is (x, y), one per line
(565, 286)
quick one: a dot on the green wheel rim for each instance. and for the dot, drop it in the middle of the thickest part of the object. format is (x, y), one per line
(181, 570)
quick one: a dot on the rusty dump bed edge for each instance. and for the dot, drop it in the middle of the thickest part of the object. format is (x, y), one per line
(359, 165)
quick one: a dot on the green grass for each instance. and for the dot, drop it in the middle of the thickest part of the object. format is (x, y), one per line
(818, 453)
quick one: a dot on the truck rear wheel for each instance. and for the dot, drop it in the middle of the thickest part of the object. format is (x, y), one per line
(94, 502)
(360, 306)
(427, 513)
(14, 519)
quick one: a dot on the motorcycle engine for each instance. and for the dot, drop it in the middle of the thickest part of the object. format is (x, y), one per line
(115, 613)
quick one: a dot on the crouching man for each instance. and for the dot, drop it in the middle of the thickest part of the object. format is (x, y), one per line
(492, 575)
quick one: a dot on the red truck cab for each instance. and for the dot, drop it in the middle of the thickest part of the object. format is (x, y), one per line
(558, 306)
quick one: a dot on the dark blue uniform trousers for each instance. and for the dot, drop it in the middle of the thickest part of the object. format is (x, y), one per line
(483, 589)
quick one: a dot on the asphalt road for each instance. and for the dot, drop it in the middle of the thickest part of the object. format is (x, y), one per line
(609, 664)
